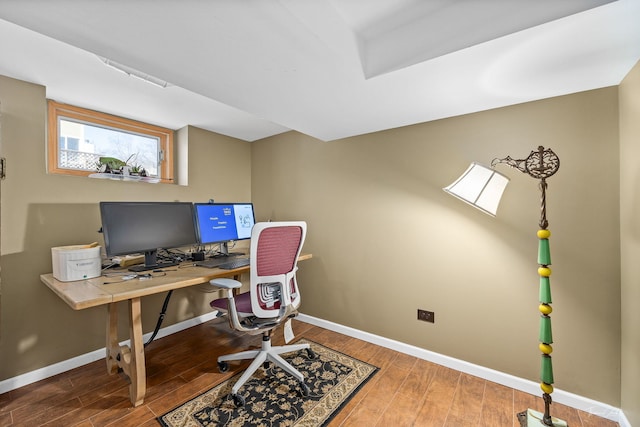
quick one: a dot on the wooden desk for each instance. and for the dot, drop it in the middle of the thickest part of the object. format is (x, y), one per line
(94, 292)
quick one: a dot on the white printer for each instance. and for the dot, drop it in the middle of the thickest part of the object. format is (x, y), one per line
(76, 262)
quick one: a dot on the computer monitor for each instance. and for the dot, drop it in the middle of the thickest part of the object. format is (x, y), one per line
(145, 227)
(223, 222)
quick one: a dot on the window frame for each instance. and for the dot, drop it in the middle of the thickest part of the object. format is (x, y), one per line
(58, 110)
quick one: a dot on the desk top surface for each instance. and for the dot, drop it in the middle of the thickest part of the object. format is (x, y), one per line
(107, 289)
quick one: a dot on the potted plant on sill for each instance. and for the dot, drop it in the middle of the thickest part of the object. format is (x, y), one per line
(116, 166)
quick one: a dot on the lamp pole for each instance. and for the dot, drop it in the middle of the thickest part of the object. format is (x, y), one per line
(541, 164)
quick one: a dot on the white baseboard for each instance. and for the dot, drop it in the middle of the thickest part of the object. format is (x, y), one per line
(623, 421)
(74, 362)
(584, 404)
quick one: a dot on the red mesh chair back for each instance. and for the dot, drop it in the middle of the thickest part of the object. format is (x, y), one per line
(275, 247)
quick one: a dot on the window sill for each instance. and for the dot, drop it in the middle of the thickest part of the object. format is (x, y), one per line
(119, 177)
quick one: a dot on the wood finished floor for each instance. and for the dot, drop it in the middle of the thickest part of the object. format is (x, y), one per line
(407, 391)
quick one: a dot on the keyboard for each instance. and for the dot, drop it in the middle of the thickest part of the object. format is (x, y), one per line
(212, 262)
(233, 264)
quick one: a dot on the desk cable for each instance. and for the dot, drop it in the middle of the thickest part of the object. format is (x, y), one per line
(127, 277)
(160, 318)
(164, 308)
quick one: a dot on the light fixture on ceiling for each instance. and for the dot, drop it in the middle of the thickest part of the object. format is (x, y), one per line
(482, 188)
(134, 73)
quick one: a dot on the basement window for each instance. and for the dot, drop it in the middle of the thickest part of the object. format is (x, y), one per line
(84, 142)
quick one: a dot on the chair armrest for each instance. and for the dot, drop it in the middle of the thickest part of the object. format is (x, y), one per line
(225, 283)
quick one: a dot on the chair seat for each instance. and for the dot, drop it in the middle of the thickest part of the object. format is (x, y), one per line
(243, 304)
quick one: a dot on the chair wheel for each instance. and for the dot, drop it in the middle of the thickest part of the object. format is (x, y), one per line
(304, 390)
(310, 354)
(223, 366)
(238, 400)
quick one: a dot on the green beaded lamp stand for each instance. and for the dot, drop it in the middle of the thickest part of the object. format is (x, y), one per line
(541, 164)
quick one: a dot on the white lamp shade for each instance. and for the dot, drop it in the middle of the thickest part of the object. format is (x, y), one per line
(481, 187)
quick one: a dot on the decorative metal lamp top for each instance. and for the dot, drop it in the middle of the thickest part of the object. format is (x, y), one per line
(540, 164)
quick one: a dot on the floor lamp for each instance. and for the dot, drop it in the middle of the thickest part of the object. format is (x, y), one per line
(482, 187)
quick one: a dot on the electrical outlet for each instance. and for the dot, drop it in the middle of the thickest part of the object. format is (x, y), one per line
(426, 316)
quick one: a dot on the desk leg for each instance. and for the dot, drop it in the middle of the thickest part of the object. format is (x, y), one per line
(113, 348)
(137, 372)
(131, 360)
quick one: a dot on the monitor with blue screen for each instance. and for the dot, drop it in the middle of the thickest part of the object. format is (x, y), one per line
(223, 222)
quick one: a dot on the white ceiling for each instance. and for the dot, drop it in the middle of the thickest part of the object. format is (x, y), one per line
(327, 68)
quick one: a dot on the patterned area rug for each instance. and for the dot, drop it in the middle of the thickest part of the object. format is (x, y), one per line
(273, 398)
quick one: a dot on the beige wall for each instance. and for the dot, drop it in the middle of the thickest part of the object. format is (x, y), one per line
(630, 239)
(387, 240)
(40, 211)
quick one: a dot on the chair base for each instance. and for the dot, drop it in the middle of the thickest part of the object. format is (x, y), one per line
(267, 353)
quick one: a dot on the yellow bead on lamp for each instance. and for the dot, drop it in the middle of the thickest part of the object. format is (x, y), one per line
(545, 348)
(544, 234)
(547, 388)
(545, 309)
(544, 271)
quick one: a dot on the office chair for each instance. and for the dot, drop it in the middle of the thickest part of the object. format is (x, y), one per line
(273, 298)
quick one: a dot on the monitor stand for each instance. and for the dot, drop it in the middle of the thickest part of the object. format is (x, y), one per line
(151, 262)
(224, 251)
(158, 266)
